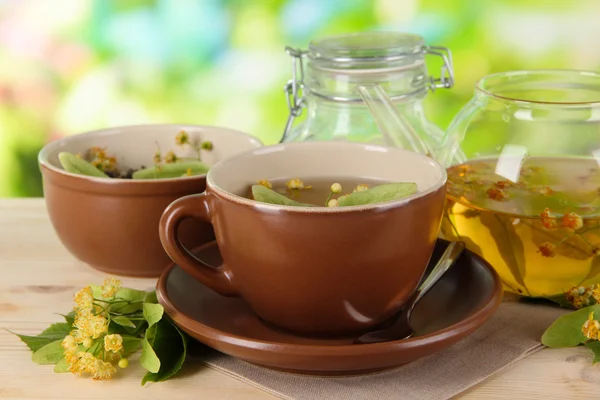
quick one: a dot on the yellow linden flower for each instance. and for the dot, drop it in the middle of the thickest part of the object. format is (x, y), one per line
(88, 326)
(361, 188)
(591, 327)
(113, 343)
(111, 287)
(103, 370)
(84, 299)
(83, 328)
(98, 326)
(70, 347)
(83, 363)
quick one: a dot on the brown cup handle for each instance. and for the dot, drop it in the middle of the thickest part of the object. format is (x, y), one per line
(193, 206)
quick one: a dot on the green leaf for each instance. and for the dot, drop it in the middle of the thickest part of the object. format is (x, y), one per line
(49, 354)
(595, 348)
(135, 298)
(172, 170)
(266, 195)
(148, 358)
(75, 165)
(61, 366)
(151, 297)
(378, 194)
(54, 332)
(69, 318)
(153, 313)
(170, 344)
(123, 321)
(131, 345)
(58, 328)
(566, 330)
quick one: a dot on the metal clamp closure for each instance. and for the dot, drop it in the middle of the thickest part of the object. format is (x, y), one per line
(446, 80)
(294, 89)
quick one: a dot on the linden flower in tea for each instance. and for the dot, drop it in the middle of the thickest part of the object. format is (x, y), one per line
(327, 194)
(540, 231)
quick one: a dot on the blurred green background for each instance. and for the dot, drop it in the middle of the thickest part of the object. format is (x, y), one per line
(68, 66)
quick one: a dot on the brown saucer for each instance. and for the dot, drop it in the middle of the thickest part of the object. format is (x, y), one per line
(455, 307)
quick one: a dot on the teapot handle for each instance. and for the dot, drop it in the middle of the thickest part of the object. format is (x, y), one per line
(395, 128)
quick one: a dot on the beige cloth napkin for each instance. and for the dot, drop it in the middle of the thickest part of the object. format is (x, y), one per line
(511, 334)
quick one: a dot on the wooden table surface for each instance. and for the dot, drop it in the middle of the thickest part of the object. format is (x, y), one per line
(39, 278)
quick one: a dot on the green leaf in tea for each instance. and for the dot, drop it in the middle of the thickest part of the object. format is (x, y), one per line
(172, 170)
(170, 345)
(566, 330)
(379, 194)
(266, 195)
(49, 354)
(509, 244)
(71, 163)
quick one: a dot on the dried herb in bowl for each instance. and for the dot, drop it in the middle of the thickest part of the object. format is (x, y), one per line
(97, 163)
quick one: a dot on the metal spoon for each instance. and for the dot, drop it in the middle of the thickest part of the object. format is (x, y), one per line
(401, 329)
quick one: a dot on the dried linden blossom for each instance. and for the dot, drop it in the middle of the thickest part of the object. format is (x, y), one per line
(581, 296)
(572, 220)
(547, 249)
(496, 194)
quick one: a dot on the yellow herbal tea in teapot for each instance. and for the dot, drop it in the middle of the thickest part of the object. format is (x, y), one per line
(537, 221)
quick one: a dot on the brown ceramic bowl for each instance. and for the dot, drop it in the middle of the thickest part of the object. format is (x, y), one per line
(112, 224)
(318, 271)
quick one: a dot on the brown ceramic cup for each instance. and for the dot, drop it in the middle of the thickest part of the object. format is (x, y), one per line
(315, 271)
(112, 224)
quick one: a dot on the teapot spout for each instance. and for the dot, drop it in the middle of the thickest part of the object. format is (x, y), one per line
(396, 130)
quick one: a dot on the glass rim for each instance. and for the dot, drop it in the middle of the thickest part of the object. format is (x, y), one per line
(384, 45)
(501, 77)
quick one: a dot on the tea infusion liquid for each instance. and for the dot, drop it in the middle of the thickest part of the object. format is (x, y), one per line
(539, 229)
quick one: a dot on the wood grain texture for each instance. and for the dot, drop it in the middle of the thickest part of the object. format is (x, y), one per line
(39, 277)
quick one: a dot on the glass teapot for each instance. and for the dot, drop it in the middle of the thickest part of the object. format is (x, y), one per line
(366, 87)
(524, 180)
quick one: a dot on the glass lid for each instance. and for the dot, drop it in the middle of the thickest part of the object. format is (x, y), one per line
(366, 46)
